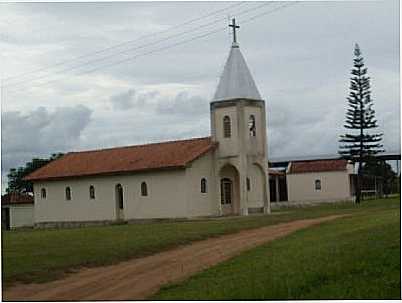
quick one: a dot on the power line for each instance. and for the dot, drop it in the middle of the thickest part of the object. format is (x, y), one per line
(118, 53)
(128, 42)
(209, 33)
(165, 47)
(276, 9)
(135, 48)
(142, 54)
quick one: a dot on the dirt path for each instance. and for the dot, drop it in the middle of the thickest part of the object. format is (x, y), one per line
(142, 277)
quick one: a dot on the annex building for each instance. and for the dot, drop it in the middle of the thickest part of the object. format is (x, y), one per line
(223, 174)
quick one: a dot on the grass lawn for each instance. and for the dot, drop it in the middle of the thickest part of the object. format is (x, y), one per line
(43, 255)
(356, 257)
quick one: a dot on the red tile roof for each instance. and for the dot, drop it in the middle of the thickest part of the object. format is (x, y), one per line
(164, 155)
(16, 198)
(317, 166)
(275, 172)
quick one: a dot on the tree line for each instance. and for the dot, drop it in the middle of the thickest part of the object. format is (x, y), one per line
(16, 182)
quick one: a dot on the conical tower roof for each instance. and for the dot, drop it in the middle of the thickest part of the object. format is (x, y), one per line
(236, 81)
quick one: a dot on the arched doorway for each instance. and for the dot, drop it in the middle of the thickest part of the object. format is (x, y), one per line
(229, 187)
(119, 202)
(226, 191)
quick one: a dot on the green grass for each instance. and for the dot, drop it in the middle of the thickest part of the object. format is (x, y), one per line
(43, 255)
(356, 257)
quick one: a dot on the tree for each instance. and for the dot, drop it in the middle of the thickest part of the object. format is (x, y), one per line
(359, 143)
(16, 183)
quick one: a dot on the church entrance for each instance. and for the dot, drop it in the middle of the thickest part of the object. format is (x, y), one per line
(119, 202)
(229, 190)
(227, 194)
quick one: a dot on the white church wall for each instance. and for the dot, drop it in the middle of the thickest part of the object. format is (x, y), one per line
(166, 197)
(334, 186)
(255, 196)
(254, 144)
(227, 146)
(198, 203)
(55, 207)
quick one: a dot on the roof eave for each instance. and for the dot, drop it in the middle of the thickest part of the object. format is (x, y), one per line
(316, 171)
(212, 147)
(105, 174)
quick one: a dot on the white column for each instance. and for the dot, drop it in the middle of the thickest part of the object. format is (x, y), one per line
(243, 195)
(277, 188)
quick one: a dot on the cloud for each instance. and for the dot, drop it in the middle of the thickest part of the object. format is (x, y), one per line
(156, 116)
(40, 133)
(144, 98)
(124, 100)
(131, 99)
(183, 104)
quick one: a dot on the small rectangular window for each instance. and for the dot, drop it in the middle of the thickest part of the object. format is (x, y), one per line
(144, 189)
(43, 193)
(317, 184)
(92, 192)
(227, 131)
(203, 185)
(251, 126)
(68, 193)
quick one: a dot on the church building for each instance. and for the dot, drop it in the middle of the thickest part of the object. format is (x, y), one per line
(223, 174)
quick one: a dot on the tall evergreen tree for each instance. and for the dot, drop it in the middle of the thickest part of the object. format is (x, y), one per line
(358, 145)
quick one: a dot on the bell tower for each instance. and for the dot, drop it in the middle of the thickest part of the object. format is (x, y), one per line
(238, 125)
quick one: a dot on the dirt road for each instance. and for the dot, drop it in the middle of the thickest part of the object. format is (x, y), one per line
(140, 278)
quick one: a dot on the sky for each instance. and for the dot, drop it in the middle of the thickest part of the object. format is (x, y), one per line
(79, 76)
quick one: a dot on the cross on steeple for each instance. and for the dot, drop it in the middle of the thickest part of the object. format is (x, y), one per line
(234, 29)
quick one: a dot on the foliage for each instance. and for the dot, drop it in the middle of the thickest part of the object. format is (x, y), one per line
(356, 257)
(16, 182)
(359, 144)
(379, 168)
(43, 255)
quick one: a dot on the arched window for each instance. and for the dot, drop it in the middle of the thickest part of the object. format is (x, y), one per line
(119, 196)
(317, 184)
(92, 192)
(251, 126)
(248, 184)
(227, 128)
(68, 193)
(43, 193)
(144, 189)
(203, 185)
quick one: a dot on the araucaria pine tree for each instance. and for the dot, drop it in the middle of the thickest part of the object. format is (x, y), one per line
(359, 144)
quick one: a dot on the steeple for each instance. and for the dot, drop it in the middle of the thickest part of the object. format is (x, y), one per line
(236, 81)
(239, 127)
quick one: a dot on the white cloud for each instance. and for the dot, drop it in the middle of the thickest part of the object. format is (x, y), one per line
(40, 133)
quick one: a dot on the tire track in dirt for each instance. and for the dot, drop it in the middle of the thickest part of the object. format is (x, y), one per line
(140, 278)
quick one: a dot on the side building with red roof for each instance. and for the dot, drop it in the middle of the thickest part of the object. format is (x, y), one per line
(320, 180)
(17, 210)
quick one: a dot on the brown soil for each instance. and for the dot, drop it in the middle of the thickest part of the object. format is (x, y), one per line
(138, 279)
